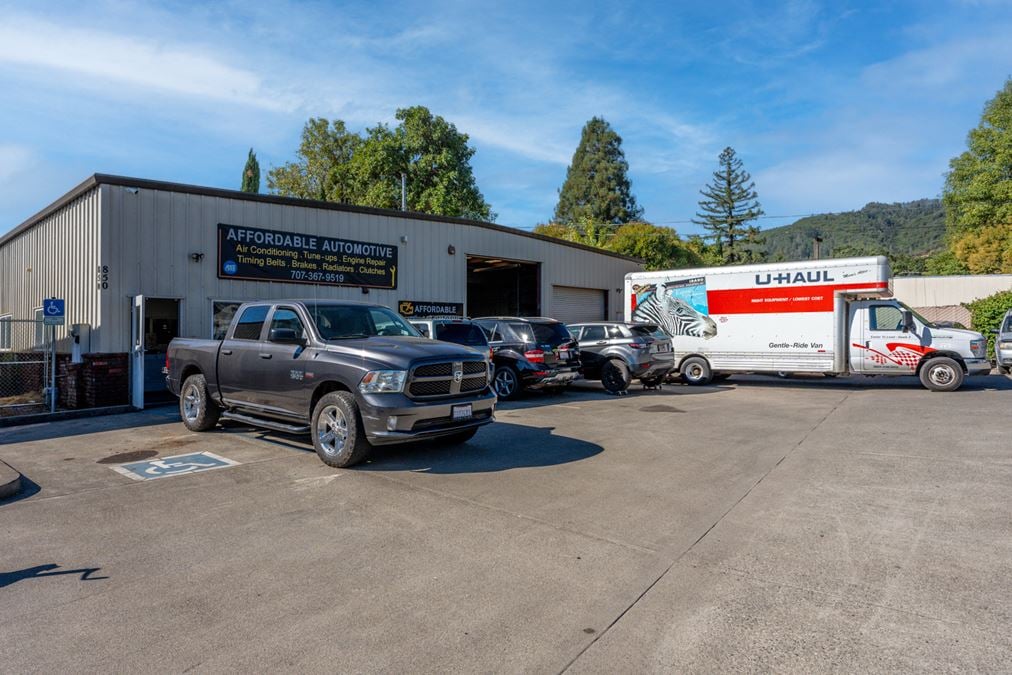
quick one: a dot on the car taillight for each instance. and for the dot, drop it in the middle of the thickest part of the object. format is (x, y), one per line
(166, 362)
(535, 356)
(491, 354)
(638, 345)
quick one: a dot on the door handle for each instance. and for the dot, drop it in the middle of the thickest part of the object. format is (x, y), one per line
(226, 352)
(266, 356)
(603, 342)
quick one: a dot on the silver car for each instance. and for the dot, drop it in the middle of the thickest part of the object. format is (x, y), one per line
(1003, 345)
(616, 353)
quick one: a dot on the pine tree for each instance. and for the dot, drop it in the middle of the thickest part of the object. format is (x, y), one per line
(730, 201)
(597, 187)
(251, 173)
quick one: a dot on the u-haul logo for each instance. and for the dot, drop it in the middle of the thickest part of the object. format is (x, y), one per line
(784, 278)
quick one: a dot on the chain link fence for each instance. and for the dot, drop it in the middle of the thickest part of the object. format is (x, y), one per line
(26, 366)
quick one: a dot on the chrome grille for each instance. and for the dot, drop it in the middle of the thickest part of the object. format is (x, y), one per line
(447, 379)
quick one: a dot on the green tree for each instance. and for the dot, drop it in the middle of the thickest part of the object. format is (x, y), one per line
(986, 313)
(729, 202)
(978, 190)
(597, 187)
(433, 154)
(659, 247)
(944, 263)
(323, 168)
(251, 173)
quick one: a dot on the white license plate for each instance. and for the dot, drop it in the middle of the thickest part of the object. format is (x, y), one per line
(461, 412)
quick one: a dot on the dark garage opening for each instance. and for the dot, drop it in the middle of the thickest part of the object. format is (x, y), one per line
(501, 287)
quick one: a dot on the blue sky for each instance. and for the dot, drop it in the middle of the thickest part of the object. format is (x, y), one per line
(830, 104)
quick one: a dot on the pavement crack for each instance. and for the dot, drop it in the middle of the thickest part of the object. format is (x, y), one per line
(681, 555)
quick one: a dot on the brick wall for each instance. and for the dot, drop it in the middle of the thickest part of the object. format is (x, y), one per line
(99, 380)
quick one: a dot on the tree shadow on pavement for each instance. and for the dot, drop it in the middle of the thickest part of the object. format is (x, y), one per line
(497, 447)
(39, 571)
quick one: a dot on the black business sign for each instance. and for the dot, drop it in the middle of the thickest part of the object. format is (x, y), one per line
(428, 308)
(253, 254)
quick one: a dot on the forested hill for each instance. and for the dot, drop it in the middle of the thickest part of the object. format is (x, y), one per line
(909, 228)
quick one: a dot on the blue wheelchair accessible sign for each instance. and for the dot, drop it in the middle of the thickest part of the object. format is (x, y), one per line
(54, 312)
(174, 466)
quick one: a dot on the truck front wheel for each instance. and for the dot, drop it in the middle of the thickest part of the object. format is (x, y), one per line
(196, 407)
(338, 435)
(942, 374)
(696, 371)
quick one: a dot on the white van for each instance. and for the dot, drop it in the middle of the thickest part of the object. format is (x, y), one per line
(818, 316)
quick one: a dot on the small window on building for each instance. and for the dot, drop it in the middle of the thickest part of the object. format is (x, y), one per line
(251, 323)
(221, 317)
(886, 317)
(285, 317)
(5, 333)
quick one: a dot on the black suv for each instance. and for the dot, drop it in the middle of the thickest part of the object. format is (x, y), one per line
(530, 353)
(459, 331)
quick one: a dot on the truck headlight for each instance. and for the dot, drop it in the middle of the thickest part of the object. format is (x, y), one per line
(978, 348)
(1005, 345)
(383, 382)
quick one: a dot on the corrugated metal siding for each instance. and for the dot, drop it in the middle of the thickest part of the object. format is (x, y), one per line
(56, 258)
(150, 235)
(950, 290)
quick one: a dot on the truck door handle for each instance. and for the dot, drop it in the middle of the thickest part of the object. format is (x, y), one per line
(266, 356)
(226, 352)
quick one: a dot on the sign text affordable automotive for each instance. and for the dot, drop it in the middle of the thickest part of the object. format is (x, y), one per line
(269, 255)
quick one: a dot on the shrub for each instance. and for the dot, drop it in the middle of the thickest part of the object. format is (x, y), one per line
(986, 313)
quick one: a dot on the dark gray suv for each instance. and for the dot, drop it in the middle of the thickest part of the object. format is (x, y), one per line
(616, 353)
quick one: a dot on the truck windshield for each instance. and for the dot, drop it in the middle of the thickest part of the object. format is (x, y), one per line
(1008, 325)
(344, 322)
(925, 322)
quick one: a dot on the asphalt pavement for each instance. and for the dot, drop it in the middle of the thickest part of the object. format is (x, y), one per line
(799, 525)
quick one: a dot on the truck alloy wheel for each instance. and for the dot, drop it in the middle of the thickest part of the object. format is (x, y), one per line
(506, 382)
(942, 374)
(198, 410)
(332, 429)
(338, 435)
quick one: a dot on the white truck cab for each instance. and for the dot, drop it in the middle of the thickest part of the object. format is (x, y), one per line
(819, 316)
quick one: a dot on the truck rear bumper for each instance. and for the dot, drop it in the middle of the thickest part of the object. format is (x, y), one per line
(395, 418)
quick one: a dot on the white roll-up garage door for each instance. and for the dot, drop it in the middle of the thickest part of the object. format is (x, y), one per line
(573, 305)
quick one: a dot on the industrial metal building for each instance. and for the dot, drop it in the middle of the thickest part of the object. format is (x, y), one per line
(140, 262)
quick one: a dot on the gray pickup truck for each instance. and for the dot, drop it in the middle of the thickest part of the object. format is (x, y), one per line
(353, 375)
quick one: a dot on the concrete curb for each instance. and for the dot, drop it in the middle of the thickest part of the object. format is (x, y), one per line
(36, 418)
(10, 481)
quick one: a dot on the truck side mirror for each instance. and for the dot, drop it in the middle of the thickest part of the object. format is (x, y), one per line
(286, 336)
(908, 321)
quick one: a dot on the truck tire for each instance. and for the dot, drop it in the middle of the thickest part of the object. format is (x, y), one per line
(942, 374)
(615, 376)
(338, 435)
(696, 371)
(506, 382)
(196, 407)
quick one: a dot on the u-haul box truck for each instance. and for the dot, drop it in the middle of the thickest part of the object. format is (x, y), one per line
(819, 316)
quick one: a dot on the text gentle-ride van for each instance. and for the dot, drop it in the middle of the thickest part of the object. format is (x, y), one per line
(818, 316)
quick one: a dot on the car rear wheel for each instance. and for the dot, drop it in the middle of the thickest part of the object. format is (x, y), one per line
(196, 407)
(696, 371)
(942, 374)
(615, 376)
(506, 382)
(338, 435)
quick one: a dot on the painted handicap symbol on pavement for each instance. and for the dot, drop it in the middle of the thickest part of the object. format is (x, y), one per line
(174, 466)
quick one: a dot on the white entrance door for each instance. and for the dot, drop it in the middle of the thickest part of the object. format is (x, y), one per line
(137, 353)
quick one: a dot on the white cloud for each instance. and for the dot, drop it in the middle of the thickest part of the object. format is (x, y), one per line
(174, 67)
